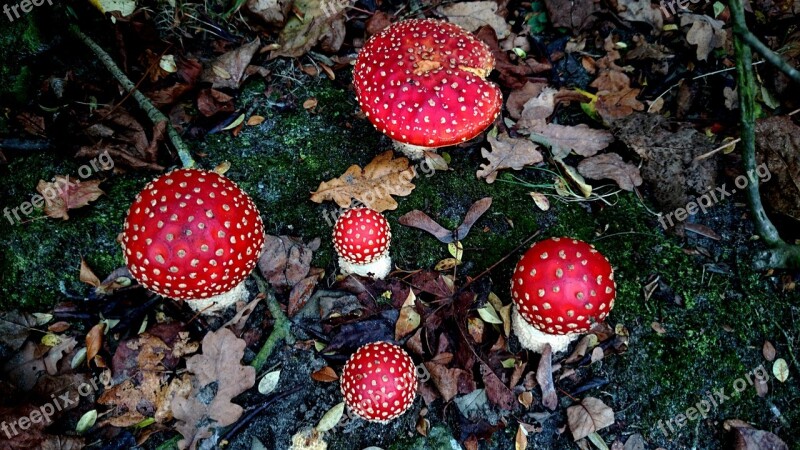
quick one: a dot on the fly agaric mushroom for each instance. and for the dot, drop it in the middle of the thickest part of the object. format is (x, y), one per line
(422, 82)
(560, 287)
(379, 382)
(193, 235)
(361, 237)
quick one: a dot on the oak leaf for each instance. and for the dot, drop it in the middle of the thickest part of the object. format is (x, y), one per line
(580, 139)
(706, 33)
(217, 371)
(507, 153)
(473, 15)
(611, 165)
(373, 185)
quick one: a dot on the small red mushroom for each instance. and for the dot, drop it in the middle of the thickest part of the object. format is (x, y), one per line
(361, 237)
(379, 382)
(422, 82)
(193, 235)
(560, 287)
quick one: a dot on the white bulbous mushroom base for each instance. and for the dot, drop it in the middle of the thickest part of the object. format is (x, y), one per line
(377, 269)
(218, 303)
(535, 340)
(414, 152)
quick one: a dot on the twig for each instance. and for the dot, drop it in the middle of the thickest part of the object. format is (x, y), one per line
(282, 329)
(716, 150)
(231, 432)
(500, 261)
(781, 254)
(771, 57)
(152, 112)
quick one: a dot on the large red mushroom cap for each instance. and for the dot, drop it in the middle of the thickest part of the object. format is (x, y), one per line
(422, 82)
(379, 382)
(192, 234)
(361, 235)
(562, 285)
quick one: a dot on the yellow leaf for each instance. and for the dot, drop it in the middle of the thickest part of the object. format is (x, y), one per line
(447, 264)
(409, 318)
(255, 120)
(781, 370)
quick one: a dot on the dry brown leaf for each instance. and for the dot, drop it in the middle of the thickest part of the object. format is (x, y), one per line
(447, 380)
(521, 439)
(64, 194)
(255, 120)
(706, 33)
(409, 318)
(310, 103)
(314, 22)
(544, 376)
(325, 375)
(589, 416)
(496, 391)
(641, 11)
(580, 139)
(618, 104)
(768, 350)
(473, 15)
(220, 364)
(537, 109)
(228, 70)
(273, 12)
(518, 98)
(373, 185)
(572, 14)
(611, 166)
(87, 276)
(286, 260)
(302, 291)
(745, 437)
(212, 101)
(94, 340)
(507, 153)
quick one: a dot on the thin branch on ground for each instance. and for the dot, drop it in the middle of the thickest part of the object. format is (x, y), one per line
(152, 112)
(771, 57)
(281, 330)
(781, 254)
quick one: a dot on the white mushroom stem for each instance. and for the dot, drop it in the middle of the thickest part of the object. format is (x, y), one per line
(218, 303)
(414, 152)
(535, 340)
(377, 269)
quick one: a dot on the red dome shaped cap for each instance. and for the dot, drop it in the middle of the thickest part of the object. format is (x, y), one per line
(422, 82)
(379, 382)
(563, 285)
(192, 234)
(361, 235)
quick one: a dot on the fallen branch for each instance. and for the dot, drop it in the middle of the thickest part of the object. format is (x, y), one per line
(152, 112)
(781, 254)
(281, 330)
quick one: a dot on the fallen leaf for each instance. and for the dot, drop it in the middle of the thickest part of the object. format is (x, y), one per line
(272, 12)
(320, 22)
(476, 210)
(14, 330)
(447, 380)
(87, 276)
(706, 33)
(325, 375)
(331, 418)
(496, 391)
(611, 166)
(310, 103)
(269, 382)
(658, 328)
(255, 120)
(780, 369)
(286, 260)
(228, 70)
(580, 139)
(94, 340)
(473, 15)
(521, 439)
(540, 200)
(768, 350)
(302, 291)
(420, 220)
(641, 11)
(572, 14)
(544, 376)
(589, 416)
(507, 153)
(748, 438)
(373, 186)
(64, 194)
(212, 101)
(221, 365)
(409, 318)
(618, 104)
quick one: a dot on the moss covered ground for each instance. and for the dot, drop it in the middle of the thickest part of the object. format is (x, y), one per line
(716, 312)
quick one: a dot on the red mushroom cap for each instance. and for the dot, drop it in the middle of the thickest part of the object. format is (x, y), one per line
(361, 235)
(192, 234)
(563, 285)
(379, 382)
(421, 82)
